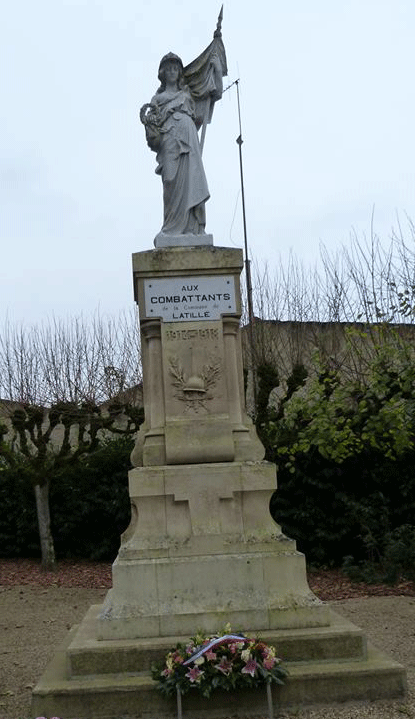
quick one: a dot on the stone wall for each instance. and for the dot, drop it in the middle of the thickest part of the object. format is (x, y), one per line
(346, 347)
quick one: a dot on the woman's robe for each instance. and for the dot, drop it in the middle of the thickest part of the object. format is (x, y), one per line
(185, 189)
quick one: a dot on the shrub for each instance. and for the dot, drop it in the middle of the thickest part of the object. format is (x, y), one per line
(89, 504)
(19, 534)
(346, 455)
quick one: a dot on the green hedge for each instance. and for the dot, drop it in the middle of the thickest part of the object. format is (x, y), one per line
(346, 454)
(89, 505)
(344, 510)
(19, 535)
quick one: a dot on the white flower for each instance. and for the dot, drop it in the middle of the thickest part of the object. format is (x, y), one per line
(199, 661)
(245, 655)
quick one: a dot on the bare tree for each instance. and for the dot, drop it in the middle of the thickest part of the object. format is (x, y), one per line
(63, 384)
(366, 280)
(341, 306)
(75, 360)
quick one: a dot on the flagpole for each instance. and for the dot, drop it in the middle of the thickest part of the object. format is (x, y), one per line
(205, 121)
(247, 261)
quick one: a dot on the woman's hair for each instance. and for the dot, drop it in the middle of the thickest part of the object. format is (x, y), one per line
(170, 57)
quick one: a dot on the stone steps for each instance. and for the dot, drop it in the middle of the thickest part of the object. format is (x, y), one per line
(90, 679)
(341, 640)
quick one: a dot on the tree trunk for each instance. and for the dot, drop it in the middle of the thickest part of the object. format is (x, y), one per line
(43, 518)
(251, 408)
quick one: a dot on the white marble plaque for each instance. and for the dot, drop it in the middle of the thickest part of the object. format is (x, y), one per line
(188, 299)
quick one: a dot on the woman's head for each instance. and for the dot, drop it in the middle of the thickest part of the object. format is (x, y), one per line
(172, 67)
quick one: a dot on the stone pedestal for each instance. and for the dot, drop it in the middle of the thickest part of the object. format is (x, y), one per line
(162, 240)
(202, 549)
(189, 301)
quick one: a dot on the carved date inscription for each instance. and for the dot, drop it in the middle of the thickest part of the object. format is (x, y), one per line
(208, 334)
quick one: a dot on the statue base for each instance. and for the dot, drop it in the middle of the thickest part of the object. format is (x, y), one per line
(202, 550)
(93, 679)
(189, 240)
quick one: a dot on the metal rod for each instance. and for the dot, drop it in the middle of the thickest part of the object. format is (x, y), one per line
(270, 706)
(179, 703)
(205, 121)
(247, 262)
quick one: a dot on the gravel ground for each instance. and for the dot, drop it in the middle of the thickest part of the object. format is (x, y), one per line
(34, 619)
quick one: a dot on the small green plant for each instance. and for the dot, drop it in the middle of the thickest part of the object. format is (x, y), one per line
(399, 556)
(395, 559)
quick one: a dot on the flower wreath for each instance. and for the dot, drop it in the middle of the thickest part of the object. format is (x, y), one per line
(206, 663)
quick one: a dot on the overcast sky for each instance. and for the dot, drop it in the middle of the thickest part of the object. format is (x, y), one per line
(327, 100)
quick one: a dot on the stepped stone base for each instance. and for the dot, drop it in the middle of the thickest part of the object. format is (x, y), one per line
(202, 550)
(96, 679)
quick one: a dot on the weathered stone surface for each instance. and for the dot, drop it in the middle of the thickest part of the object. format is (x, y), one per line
(87, 655)
(192, 361)
(202, 549)
(193, 260)
(90, 679)
(188, 240)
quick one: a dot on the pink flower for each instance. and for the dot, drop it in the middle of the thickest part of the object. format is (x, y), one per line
(166, 672)
(250, 667)
(194, 675)
(267, 651)
(210, 655)
(235, 647)
(224, 666)
(269, 662)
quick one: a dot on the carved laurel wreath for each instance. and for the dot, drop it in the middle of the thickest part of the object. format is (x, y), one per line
(194, 390)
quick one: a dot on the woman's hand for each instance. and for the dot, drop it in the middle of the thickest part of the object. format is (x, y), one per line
(146, 112)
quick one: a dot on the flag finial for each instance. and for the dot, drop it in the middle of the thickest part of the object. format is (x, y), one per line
(218, 31)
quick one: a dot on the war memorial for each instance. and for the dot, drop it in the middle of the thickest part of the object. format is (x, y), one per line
(202, 549)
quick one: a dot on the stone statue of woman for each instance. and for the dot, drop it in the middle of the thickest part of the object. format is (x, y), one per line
(182, 104)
